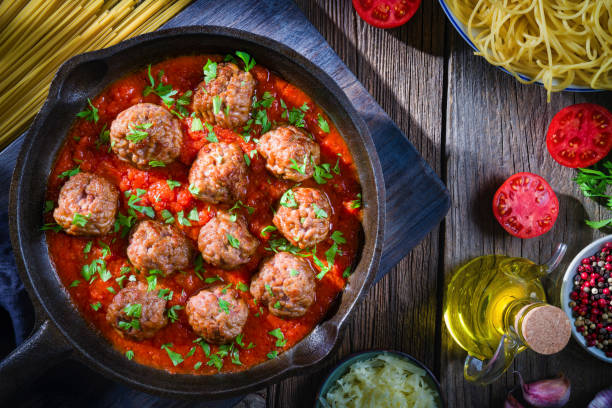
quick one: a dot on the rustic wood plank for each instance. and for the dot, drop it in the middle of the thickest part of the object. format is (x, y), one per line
(496, 127)
(400, 311)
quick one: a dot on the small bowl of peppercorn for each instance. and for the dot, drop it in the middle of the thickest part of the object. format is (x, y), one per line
(586, 296)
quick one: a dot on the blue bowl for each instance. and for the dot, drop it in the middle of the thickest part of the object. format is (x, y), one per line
(344, 365)
(462, 30)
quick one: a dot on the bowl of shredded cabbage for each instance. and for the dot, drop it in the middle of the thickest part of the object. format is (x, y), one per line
(380, 379)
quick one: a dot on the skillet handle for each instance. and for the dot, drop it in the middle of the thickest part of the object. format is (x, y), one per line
(42, 350)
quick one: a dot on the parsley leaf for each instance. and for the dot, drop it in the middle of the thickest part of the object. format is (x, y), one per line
(165, 92)
(96, 306)
(52, 226)
(89, 114)
(323, 124)
(241, 286)
(216, 104)
(157, 163)
(249, 62)
(175, 357)
(80, 220)
(70, 173)
(210, 71)
(268, 228)
(319, 212)
(182, 220)
(321, 173)
(273, 354)
(211, 137)
(233, 241)
(172, 184)
(224, 305)
(288, 199)
(172, 315)
(137, 133)
(356, 203)
(167, 216)
(193, 214)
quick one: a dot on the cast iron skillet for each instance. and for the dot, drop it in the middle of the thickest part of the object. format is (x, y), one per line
(60, 331)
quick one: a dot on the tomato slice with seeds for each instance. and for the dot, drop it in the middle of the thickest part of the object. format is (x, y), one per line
(386, 13)
(525, 205)
(580, 135)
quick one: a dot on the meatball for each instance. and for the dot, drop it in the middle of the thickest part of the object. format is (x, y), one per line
(144, 133)
(137, 313)
(219, 174)
(289, 152)
(233, 89)
(286, 283)
(154, 245)
(303, 216)
(225, 243)
(217, 314)
(87, 205)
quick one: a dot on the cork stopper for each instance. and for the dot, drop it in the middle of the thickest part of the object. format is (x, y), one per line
(546, 329)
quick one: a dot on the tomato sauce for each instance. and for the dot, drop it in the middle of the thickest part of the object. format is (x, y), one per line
(85, 148)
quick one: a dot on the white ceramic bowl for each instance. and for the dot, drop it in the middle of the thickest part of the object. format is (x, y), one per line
(462, 29)
(566, 289)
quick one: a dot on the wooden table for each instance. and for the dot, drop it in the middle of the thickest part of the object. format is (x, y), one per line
(476, 126)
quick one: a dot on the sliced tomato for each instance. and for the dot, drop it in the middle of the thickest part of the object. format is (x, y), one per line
(386, 13)
(580, 135)
(525, 205)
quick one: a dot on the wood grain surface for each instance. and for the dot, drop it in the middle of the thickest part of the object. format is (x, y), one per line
(475, 125)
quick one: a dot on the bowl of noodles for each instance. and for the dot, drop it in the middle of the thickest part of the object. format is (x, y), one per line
(560, 44)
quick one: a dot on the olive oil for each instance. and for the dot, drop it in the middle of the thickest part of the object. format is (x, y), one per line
(484, 298)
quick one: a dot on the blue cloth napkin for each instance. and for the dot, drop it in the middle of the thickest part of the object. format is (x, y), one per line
(13, 297)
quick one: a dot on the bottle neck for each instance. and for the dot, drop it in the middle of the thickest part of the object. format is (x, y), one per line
(515, 315)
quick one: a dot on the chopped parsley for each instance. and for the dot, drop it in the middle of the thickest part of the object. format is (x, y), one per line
(294, 272)
(193, 214)
(48, 206)
(347, 272)
(300, 168)
(321, 173)
(172, 315)
(157, 163)
(224, 305)
(319, 212)
(268, 228)
(165, 294)
(133, 310)
(80, 220)
(246, 159)
(70, 173)
(181, 102)
(261, 118)
(127, 326)
(172, 184)
(211, 137)
(129, 354)
(323, 124)
(288, 199)
(196, 125)
(338, 238)
(194, 190)
(137, 133)
(165, 92)
(234, 242)
(191, 352)
(210, 71)
(182, 220)
(52, 226)
(75, 283)
(96, 306)
(249, 62)
(273, 354)
(89, 114)
(133, 199)
(269, 289)
(216, 104)
(167, 216)
(277, 305)
(87, 247)
(212, 279)
(175, 357)
(356, 203)
(241, 286)
(278, 335)
(152, 283)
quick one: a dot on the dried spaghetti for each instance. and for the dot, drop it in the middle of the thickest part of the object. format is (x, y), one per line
(37, 36)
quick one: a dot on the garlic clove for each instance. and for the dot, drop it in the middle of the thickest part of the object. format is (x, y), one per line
(603, 399)
(511, 402)
(547, 393)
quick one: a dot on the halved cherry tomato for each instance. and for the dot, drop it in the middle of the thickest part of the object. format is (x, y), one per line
(525, 205)
(580, 135)
(386, 13)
